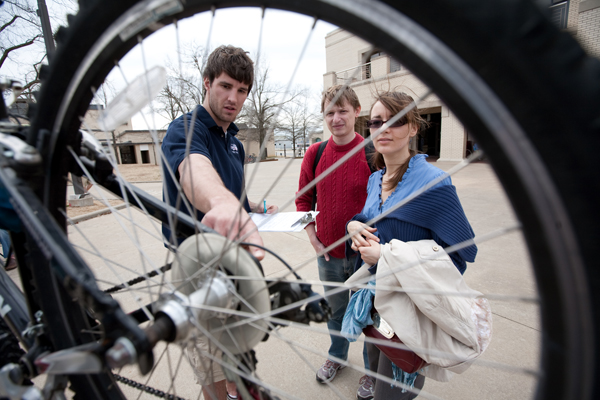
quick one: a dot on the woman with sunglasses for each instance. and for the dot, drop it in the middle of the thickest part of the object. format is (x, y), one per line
(434, 214)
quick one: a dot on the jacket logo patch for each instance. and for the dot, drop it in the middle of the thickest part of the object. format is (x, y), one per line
(234, 148)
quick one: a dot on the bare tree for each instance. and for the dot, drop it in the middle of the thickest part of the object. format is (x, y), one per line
(261, 112)
(102, 97)
(184, 82)
(183, 92)
(21, 40)
(300, 120)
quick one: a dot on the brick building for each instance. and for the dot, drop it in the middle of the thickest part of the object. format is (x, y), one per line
(446, 138)
(138, 147)
(130, 146)
(587, 29)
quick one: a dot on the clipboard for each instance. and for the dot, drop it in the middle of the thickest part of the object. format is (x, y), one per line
(283, 221)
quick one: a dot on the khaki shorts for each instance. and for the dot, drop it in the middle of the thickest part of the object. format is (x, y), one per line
(206, 368)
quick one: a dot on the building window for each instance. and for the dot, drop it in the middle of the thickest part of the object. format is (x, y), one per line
(145, 156)
(127, 155)
(395, 65)
(367, 71)
(560, 13)
(360, 126)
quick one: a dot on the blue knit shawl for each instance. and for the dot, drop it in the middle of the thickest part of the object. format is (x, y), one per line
(436, 214)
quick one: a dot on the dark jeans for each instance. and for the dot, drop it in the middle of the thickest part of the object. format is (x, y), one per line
(338, 270)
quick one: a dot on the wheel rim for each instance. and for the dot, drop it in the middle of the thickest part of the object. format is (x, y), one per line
(539, 188)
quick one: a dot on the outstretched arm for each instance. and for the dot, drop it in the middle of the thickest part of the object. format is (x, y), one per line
(203, 186)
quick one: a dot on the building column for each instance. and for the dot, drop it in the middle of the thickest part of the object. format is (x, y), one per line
(155, 153)
(453, 137)
(329, 80)
(380, 67)
(138, 154)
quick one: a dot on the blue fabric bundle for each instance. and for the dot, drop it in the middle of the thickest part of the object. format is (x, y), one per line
(358, 316)
(358, 313)
(404, 377)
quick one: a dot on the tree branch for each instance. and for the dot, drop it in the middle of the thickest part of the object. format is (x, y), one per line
(16, 47)
(14, 18)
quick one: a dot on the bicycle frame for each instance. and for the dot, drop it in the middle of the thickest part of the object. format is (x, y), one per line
(20, 175)
(13, 309)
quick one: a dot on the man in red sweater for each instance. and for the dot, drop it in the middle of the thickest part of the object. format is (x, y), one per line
(341, 195)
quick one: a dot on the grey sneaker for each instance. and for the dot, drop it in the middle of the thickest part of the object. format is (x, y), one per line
(328, 371)
(366, 389)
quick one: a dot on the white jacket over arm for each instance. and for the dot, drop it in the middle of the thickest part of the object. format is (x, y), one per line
(438, 316)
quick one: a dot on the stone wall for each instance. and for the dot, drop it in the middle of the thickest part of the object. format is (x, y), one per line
(588, 31)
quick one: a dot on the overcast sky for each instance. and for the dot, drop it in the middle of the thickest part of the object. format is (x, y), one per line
(241, 27)
(283, 38)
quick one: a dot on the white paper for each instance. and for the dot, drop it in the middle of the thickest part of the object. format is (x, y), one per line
(280, 222)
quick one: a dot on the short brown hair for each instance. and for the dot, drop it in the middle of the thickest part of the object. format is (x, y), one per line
(233, 61)
(347, 94)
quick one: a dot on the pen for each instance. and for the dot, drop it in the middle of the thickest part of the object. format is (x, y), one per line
(265, 205)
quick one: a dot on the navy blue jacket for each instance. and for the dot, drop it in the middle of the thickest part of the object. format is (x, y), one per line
(225, 152)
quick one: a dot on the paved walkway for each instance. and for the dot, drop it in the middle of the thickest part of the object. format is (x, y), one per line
(501, 269)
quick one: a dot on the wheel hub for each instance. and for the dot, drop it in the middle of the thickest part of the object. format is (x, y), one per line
(218, 285)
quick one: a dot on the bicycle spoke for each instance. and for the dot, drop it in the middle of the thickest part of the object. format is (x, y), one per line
(148, 252)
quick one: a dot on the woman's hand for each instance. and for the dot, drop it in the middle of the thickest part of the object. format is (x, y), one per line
(370, 253)
(361, 234)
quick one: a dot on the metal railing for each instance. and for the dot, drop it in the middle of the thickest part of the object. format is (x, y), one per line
(354, 74)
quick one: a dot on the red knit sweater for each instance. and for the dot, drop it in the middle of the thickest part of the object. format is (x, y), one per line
(341, 195)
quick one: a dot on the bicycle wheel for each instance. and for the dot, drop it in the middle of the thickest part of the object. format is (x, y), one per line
(502, 68)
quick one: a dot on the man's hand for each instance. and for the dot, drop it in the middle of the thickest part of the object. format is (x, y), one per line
(362, 234)
(204, 187)
(314, 240)
(234, 223)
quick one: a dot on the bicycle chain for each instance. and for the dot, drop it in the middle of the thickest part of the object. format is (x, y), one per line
(145, 388)
(130, 382)
(139, 279)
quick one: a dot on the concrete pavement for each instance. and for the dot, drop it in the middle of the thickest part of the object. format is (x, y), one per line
(502, 270)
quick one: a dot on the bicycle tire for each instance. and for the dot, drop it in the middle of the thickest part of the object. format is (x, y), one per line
(528, 67)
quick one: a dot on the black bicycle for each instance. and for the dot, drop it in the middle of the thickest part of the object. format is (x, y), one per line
(90, 314)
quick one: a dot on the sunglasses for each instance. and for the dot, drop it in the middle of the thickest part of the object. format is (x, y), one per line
(378, 123)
